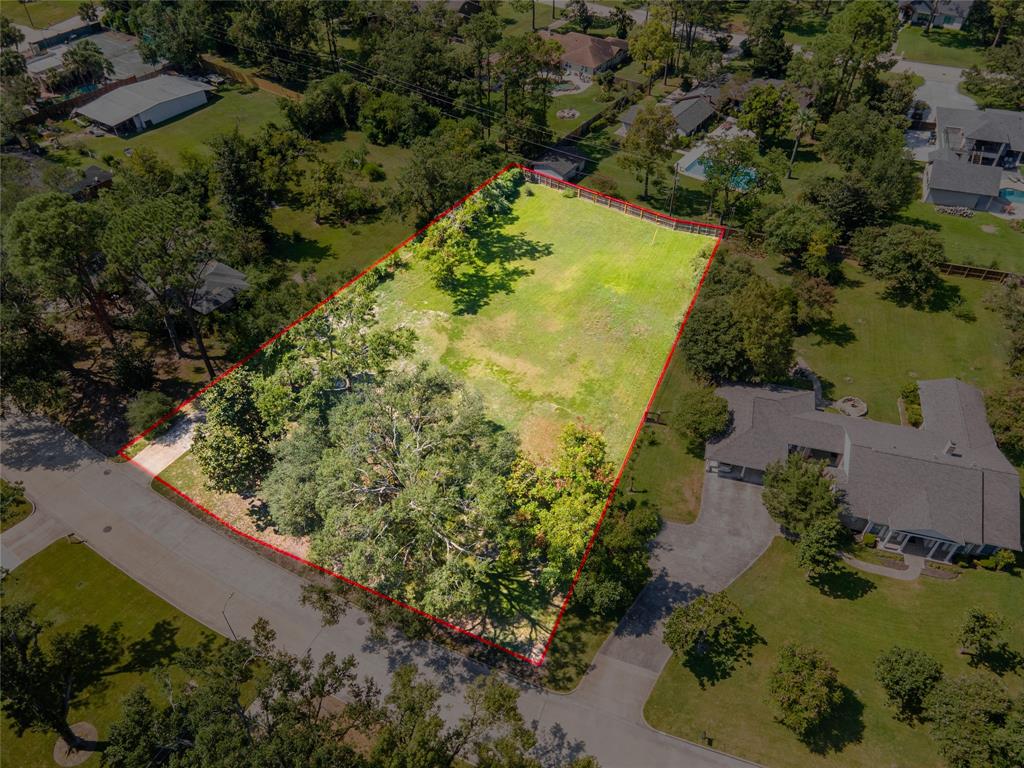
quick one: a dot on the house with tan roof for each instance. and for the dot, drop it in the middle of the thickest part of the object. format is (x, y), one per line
(586, 54)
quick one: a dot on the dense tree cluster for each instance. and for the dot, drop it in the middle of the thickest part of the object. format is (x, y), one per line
(741, 328)
(247, 703)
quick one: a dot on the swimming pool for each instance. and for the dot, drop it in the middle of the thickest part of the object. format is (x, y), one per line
(740, 181)
(1012, 195)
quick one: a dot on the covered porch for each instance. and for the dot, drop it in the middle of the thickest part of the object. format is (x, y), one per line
(930, 545)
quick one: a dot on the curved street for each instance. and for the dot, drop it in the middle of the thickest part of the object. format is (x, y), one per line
(226, 586)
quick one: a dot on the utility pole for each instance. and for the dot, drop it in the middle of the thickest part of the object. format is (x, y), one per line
(675, 185)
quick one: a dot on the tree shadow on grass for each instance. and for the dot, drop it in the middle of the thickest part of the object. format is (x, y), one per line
(157, 648)
(847, 585)
(715, 665)
(844, 727)
(296, 247)
(837, 334)
(497, 270)
(1001, 660)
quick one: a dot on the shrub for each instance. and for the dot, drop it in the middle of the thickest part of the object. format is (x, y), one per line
(702, 415)
(144, 409)
(374, 172)
(1004, 560)
(869, 540)
(570, 192)
(911, 397)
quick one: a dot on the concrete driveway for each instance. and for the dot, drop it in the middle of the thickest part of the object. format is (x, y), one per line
(227, 587)
(733, 530)
(940, 85)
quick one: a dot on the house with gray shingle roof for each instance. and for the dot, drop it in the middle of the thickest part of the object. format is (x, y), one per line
(950, 180)
(973, 147)
(938, 490)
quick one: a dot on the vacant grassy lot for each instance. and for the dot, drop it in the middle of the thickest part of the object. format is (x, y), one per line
(572, 320)
(73, 586)
(39, 14)
(774, 596)
(947, 47)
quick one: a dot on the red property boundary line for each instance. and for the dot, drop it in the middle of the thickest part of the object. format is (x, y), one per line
(536, 662)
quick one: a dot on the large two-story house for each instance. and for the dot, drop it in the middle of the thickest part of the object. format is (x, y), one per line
(973, 148)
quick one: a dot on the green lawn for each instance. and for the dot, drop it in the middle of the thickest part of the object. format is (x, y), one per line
(664, 471)
(574, 326)
(39, 14)
(72, 586)
(15, 506)
(519, 23)
(774, 596)
(327, 249)
(948, 47)
(588, 103)
(875, 347)
(983, 239)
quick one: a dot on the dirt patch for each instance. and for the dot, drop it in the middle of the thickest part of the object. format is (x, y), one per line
(989, 229)
(68, 756)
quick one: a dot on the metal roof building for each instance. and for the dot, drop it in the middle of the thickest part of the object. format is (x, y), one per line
(144, 104)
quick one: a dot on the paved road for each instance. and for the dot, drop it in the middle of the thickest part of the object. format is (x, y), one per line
(227, 587)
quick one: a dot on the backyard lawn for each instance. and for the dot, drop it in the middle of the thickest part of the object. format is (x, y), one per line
(983, 239)
(587, 103)
(876, 613)
(73, 586)
(39, 14)
(948, 47)
(875, 347)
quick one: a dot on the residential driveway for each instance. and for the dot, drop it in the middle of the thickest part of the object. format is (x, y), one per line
(940, 85)
(227, 587)
(164, 450)
(733, 530)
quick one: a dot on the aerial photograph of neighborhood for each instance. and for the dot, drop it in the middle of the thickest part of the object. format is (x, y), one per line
(512, 383)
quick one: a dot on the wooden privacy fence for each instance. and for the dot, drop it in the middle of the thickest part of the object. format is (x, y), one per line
(980, 273)
(629, 209)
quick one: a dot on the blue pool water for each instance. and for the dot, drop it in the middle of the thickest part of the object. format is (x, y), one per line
(741, 181)
(1013, 195)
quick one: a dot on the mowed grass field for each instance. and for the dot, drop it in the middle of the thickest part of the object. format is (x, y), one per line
(851, 631)
(572, 322)
(73, 586)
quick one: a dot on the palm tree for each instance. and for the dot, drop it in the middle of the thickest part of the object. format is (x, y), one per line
(85, 62)
(804, 121)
